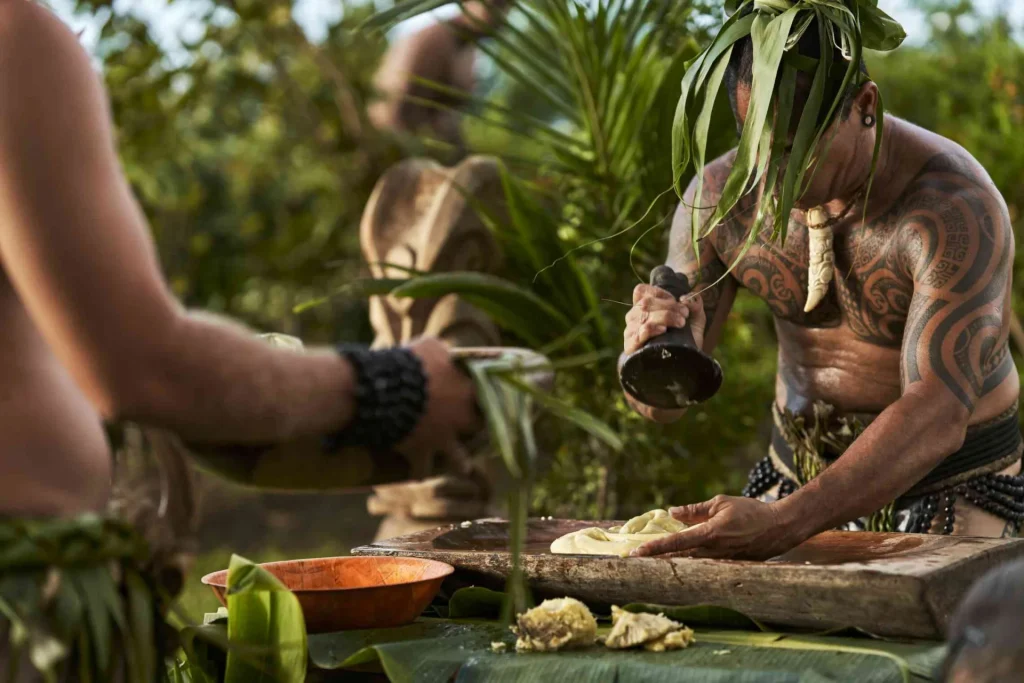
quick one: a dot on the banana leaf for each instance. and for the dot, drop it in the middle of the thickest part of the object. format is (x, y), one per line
(475, 602)
(266, 629)
(440, 650)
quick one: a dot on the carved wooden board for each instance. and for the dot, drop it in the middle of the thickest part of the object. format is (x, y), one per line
(888, 584)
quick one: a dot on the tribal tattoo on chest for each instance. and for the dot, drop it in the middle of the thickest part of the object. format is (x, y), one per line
(929, 275)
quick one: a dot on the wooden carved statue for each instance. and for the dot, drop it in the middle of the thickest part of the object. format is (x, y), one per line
(424, 217)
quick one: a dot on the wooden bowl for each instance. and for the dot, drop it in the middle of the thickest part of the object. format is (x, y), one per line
(344, 593)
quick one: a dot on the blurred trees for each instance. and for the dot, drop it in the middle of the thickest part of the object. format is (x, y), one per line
(252, 158)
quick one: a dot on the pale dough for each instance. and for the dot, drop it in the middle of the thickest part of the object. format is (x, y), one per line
(619, 540)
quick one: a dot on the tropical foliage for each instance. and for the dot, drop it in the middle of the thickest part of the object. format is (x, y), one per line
(579, 206)
(248, 148)
(253, 170)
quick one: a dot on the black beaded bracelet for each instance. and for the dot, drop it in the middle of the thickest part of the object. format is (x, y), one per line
(391, 396)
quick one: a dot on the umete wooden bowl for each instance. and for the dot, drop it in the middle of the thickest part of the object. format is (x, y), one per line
(343, 593)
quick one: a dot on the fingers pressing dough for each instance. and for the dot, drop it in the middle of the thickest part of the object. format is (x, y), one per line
(618, 541)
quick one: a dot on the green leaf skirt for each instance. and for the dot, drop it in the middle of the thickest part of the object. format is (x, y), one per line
(78, 601)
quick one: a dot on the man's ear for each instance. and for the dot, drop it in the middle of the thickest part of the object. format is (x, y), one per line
(865, 101)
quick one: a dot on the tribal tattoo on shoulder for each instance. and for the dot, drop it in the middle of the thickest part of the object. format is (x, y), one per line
(702, 273)
(958, 248)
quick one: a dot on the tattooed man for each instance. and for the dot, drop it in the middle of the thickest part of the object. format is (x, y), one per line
(896, 397)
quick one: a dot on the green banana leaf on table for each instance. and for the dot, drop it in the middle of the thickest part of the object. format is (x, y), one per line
(729, 647)
(442, 650)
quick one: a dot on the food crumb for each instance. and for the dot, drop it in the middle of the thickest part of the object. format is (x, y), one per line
(721, 652)
(499, 647)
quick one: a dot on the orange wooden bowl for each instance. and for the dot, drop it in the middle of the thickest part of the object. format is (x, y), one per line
(343, 593)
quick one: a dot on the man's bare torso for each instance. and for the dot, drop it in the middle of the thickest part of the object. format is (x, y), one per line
(55, 459)
(848, 350)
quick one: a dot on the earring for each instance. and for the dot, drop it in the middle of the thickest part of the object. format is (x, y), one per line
(869, 121)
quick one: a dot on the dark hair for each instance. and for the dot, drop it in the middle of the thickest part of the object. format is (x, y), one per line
(741, 70)
(984, 634)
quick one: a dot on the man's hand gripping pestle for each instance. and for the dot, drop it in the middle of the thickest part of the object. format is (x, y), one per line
(669, 371)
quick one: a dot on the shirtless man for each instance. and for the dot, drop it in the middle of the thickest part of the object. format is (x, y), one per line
(906, 359)
(444, 53)
(91, 330)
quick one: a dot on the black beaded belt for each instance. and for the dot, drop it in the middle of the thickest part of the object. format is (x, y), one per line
(988, 448)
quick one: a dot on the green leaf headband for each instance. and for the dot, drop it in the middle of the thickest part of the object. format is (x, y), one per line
(776, 27)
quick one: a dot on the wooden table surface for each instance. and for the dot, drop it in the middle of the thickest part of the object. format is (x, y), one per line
(887, 584)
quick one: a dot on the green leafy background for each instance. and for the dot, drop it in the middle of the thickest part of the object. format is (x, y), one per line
(249, 150)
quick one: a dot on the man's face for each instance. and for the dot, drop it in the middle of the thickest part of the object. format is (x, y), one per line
(835, 149)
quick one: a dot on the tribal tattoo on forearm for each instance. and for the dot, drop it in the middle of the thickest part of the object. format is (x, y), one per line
(959, 251)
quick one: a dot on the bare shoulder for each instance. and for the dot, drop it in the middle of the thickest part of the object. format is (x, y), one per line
(54, 104)
(943, 167)
(682, 255)
(40, 56)
(28, 28)
(952, 213)
(715, 174)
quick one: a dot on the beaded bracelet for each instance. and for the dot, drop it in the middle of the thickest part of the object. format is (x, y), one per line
(391, 397)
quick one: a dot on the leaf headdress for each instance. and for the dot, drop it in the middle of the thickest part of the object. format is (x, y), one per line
(776, 28)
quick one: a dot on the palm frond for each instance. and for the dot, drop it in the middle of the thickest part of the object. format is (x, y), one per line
(517, 309)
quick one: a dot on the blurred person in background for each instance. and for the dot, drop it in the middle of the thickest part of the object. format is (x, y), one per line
(985, 643)
(442, 53)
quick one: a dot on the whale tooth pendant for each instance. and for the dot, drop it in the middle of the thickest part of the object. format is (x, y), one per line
(822, 259)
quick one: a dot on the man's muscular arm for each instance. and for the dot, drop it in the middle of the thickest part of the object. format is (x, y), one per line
(960, 255)
(76, 248)
(654, 310)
